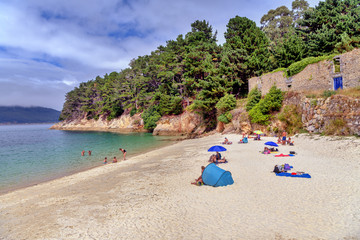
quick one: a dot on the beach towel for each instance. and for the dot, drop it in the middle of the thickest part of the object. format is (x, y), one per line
(283, 155)
(284, 174)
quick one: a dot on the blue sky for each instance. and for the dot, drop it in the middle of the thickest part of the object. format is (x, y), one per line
(47, 47)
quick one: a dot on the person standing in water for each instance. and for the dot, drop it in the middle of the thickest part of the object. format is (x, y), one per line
(124, 152)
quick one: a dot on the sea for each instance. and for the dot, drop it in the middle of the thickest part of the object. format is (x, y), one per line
(31, 154)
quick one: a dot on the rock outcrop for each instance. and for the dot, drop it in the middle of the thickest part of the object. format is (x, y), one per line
(337, 114)
(125, 123)
(187, 123)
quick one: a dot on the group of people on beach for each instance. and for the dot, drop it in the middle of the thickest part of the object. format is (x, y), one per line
(105, 159)
(115, 159)
(284, 140)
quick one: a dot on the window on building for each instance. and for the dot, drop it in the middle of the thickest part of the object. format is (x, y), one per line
(337, 65)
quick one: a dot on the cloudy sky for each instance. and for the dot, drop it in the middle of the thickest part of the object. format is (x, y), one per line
(47, 47)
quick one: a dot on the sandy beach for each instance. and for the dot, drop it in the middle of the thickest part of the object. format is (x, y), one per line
(150, 196)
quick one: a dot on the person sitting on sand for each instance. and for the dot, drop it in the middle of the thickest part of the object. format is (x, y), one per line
(279, 140)
(291, 143)
(218, 158)
(105, 160)
(114, 160)
(226, 141)
(257, 138)
(199, 180)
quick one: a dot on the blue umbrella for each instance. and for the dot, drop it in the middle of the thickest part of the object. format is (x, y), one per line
(217, 148)
(271, 144)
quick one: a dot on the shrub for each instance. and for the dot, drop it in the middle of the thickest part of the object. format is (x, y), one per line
(297, 67)
(336, 126)
(132, 111)
(226, 103)
(254, 97)
(225, 117)
(291, 116)
(258, 115)
(150, 117)
(272, 101)
(328, 93)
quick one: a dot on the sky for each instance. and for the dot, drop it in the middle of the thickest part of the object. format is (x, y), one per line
(48, 47)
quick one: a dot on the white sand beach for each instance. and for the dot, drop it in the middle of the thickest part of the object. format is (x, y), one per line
(150, 196)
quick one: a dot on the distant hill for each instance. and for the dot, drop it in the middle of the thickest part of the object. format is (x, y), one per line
(15, 114)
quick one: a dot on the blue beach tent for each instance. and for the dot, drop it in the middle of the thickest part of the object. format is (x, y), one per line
(216, 177)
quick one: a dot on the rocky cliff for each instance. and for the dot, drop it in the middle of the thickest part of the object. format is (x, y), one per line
(337, 114)
(124, 123)
(187, 123)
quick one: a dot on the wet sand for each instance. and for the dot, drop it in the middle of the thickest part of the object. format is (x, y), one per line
(149, 196)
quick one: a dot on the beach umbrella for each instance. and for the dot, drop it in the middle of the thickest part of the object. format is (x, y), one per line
(273, 144)
(258, 132)
(217, 148)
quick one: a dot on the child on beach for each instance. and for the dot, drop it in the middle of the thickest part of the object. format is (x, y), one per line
(114, 160)
(226, 141)
(123, 151)
(105, 160)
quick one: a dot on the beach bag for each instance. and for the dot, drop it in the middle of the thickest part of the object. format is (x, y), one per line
(287, 167)
(292, 152)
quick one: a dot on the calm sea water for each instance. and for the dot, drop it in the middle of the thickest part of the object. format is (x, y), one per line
(30, 154)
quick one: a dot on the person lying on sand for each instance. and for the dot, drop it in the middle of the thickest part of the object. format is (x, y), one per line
(199, 180)
(266, 150)
(214, 159)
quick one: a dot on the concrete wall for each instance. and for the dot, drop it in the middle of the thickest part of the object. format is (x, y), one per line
(317, 76)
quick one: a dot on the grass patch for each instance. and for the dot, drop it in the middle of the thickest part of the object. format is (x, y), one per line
(337, 127)
(291, 116)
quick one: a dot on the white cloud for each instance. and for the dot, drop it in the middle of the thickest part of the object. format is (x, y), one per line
(51, 44)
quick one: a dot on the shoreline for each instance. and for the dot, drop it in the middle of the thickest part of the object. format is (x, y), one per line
(150, 196)
(85, 169)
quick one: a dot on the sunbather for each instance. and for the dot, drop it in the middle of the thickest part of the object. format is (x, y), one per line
(266, 150)
(199, 180)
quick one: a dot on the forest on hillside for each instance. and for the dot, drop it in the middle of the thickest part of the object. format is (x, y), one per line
(17, 115)
(194, 73)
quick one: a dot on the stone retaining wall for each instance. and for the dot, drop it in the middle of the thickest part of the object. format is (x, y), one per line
(316, 76)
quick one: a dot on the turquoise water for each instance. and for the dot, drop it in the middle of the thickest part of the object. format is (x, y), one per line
(30, 154)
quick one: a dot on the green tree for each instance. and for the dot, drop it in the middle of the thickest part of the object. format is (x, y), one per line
(324, 26)
(251, 48)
